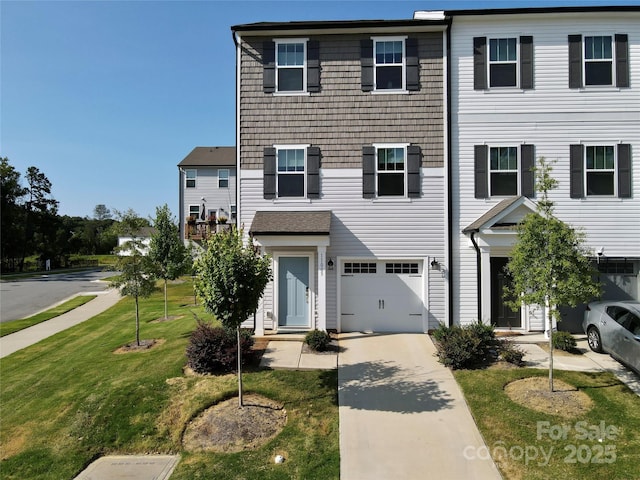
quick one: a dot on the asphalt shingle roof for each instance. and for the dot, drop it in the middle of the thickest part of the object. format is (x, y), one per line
(291, 223)
(210, 157)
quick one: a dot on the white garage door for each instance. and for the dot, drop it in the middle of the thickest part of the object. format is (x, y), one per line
(381, 296)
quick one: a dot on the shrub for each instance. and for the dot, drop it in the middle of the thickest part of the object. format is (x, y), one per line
(465, 347)
(563, 341)
(214, 349)
(317, 340)
(510, 352)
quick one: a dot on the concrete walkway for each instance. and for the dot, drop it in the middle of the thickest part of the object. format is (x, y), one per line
(402, 414)
(138, 467)
(292, 355)
(32, 335)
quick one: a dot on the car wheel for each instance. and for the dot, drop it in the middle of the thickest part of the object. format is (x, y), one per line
(593, 339)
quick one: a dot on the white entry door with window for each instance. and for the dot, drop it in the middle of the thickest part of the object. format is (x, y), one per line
(293, 292)
(381, 296)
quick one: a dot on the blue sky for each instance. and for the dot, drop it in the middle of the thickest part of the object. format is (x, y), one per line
(105, 98)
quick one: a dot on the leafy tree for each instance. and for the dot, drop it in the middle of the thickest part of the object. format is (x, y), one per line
(136, 273)
(11, 213)
(101, 212)
(230, 279)
(549, 264)
(167, 251)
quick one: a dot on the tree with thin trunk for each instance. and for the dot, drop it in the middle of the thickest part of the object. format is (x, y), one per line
(230, 280)
(135, 272)
(167, 252)
(549, 265)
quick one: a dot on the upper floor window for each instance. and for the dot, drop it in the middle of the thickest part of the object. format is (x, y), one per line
(194, 211)
(503, 171)
(598, 60)
(291, 171)
(223, 178)
(600, 170)
(503, 60)
(190, 176)
(291, 66)
(508, 63)
(391, 170)
(389, 64)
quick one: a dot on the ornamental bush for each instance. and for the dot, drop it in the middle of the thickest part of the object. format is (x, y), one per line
(213, 349)
(465, 347)
(317, 340)
(563, 341)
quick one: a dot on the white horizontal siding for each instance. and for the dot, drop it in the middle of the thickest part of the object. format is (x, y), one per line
(207, 187)
(551, 117)
(369, 228)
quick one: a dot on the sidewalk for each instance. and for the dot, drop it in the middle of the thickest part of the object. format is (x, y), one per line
(294, 355)
(32, 335)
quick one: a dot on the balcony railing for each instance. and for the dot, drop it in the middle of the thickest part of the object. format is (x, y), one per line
(202, 230)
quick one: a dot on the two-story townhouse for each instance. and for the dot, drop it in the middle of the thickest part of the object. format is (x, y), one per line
(341, 147)
(207, 187)
(558, 83)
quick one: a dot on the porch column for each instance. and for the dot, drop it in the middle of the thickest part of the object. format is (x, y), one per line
(485, 264)
(259, 330)
(322, 289)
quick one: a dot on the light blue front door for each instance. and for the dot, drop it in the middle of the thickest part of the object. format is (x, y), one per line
(293, 292)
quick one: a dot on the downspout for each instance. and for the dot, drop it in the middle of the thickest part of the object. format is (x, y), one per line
(449, 174)
(478, 275)
(238, 53)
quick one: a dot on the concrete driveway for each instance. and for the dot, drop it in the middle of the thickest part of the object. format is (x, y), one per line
(402, 415)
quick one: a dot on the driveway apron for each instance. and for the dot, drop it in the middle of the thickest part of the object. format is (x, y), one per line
(402, 415)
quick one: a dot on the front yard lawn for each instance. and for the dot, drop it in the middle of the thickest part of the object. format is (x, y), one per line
(70, 399)
(525, 444)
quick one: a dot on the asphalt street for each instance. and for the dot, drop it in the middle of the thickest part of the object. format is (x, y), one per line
(21, 298)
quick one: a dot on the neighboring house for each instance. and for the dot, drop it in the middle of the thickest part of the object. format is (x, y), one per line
(207, 191)
(341, 142)
(558, 83)
(143, 235)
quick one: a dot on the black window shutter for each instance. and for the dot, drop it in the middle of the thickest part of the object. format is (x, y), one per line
(622, 60)
(575, 61)
(576, 171)
(269, 67)
(366, 65)
(413, 65)
(313, 66)
(527, 175)
(269, 173)
(479, 63)
(368, 172)
(313, 172)
(414, 160)
(480, 171)
(526, 62)
(624, 170)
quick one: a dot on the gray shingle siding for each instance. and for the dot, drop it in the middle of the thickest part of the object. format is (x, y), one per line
(341, 118)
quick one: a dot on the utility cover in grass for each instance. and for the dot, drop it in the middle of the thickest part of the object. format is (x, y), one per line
(565, 400)
(227, 428)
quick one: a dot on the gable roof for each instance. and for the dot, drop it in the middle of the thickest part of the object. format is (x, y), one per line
(492, 217)
(210, 157)
(291, 223)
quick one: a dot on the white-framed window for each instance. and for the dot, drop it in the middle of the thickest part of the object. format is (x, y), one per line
(291, 63)
(391, 170)
(600, 170)
(389, 63)
(503, 62)
(190, 178)
(291, 163)
(223, 178)
(598, 62)
(503, 171)
(194, 211)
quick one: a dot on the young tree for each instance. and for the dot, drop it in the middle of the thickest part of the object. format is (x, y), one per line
(167, 251)
(136, 273)
(230, 279)
(549, 264)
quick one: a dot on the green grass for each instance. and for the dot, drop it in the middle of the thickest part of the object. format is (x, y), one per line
(70, 399)
(16, 325)
(515, 430)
